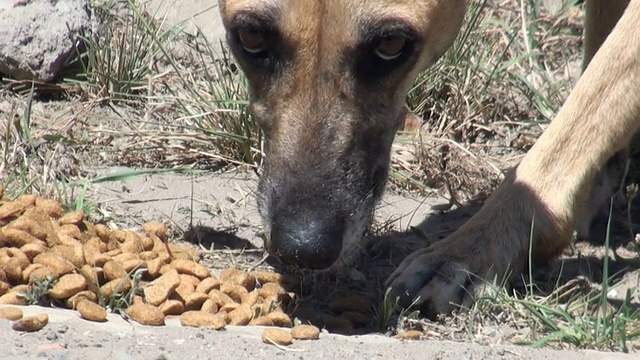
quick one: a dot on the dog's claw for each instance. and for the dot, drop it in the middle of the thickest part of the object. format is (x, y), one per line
(426, 282)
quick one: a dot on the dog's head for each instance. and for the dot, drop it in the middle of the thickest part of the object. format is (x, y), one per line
(328, 80)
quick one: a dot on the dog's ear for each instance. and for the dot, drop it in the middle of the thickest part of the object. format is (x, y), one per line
(439, 22)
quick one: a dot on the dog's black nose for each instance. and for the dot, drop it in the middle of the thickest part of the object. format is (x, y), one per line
(306, 245)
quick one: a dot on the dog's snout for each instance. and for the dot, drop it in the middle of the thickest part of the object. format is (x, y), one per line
(309, 245)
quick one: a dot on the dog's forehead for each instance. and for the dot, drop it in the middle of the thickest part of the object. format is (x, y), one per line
(302, 18)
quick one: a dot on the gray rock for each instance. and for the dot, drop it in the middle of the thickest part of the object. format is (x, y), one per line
(37, 37)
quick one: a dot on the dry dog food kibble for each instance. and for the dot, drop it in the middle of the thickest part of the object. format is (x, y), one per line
(88, 266)
(305, 332)
(278, 336)
(10, 313)
(91, 311)
(146, 314)
(31, 323)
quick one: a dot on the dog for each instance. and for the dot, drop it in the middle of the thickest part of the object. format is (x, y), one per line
(328, 81)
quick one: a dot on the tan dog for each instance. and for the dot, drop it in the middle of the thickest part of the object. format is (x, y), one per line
(328, 82)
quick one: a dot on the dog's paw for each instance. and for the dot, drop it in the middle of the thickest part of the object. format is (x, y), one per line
(432, 282)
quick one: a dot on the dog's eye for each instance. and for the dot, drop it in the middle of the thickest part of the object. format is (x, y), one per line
(390, 47)
(251, 40)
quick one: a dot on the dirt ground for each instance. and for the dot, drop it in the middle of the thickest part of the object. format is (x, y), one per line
(68, 337)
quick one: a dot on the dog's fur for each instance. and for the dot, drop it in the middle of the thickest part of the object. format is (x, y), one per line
(328, 80)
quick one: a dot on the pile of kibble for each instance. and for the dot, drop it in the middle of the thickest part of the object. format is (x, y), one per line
(88, 264)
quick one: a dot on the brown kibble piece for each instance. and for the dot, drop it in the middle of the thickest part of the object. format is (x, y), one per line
(209, 306)
(118, 285)
(15, 254)
(172, 307)
(11, 268)
(305, 332)
(72, 253)
(26, 273)
(270, 304)
(229, 307)
(145, 314)
(202, 319)
(12, 298)
(271, 289)
(67, 286)
(264, 277)
(81, 296)
(148, 255)
(183, 252)
(280, 319)
(132, 265)
(30, 225)
(42, 272)
(359, 303)
(31, 323)
(51, 207)
(261, 321)
(184, 266)
(94, 275)
(17, 238)
(278, 336)
(161, 288)
(220, 298)
(132, 243)
(237, 292)
(228, 274)
(32, 250)
(75, 218)
(183, 291)
(241, 315)
(195, 300)
(239, 277)
(287, 281)
(208, 284)
(22, 288)
(156, 228)
(10, 313)
(102, 231)
(69, 230)
(189, 279)
(137, 299)
(113, 270)
(252, 298)
(409, 335)
(4, 288)
(154, 266)
(55, 262)
(147, 243)
(91, 311)
(12, 208)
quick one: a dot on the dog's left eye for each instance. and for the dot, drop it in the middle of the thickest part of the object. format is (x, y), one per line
(390, 47)
(251, 40)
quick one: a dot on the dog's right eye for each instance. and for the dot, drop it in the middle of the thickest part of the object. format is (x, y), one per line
(251, 40)
(390, 47)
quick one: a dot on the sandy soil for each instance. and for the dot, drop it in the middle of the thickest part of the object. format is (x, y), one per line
(68, 337)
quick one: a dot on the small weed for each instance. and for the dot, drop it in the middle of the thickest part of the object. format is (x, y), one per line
(117, 61)
(38, 291)
(390, 315)
(122, 297)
